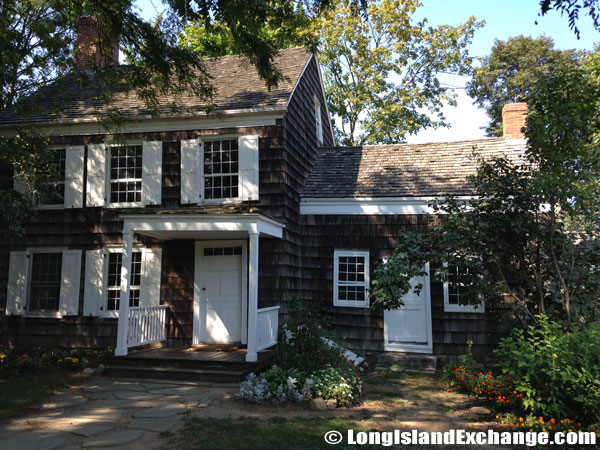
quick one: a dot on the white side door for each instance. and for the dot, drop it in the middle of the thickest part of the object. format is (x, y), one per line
(408, 329)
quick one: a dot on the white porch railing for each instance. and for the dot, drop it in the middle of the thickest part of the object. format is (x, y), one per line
(146, 325)
(266, 330)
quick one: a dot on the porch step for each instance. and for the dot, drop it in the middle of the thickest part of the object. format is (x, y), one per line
(218, 365)
(172, 373)
(407, 361)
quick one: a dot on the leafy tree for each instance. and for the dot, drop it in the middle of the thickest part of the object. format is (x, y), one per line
(216, 39)
(381, 68)
(510, 72)
(37, 42)
(572, 8)
(531, 231)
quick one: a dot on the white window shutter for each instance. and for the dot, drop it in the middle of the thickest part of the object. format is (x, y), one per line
(96, 175)
(17, 283)
(150, 282)
(151, 172)
(69, 286)
(93, 292)
(248, 167)
(74, 161)
(190, 159)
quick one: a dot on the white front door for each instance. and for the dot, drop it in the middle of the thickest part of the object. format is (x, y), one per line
(408, 329)
(220, 292)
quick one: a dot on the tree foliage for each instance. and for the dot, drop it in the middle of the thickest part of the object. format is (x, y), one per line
(38, 43)
(382, 68)
(510, 72)
(572, 8)
(533, 225)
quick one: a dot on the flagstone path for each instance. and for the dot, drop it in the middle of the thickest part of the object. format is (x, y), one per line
(107, 412)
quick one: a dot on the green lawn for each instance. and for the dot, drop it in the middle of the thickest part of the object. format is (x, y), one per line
(21, 395)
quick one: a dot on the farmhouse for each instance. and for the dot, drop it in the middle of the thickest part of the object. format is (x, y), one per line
(196, 228)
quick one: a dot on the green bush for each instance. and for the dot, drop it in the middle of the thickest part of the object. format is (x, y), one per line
(342, 383)
(557, 372)
(302, 344)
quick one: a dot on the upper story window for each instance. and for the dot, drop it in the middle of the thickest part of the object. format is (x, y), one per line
(126, 174)
(454, 290)
(113, 282)
(351, 278)
(44, 282)
(318, 121)
(55, 187)
(221, 169)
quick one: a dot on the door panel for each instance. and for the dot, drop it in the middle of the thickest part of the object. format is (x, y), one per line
(221, 299)
(409, 328)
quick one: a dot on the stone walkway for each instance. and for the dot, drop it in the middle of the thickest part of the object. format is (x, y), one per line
(108, 413)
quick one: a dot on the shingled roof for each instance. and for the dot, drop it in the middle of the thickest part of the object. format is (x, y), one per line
(237, 85)
(403, 170)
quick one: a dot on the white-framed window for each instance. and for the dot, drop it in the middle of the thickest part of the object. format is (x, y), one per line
(453, 301)
(125, 174)
(221, 169)
(54, 196)
(114, 259)
(351, 278)
(45, 278)
(43, 282)
(318, 120)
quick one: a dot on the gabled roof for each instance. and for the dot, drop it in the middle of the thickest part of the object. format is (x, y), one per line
(403, 170)
(237, 85)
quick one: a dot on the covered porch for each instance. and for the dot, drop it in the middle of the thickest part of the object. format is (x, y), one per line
(225, 284)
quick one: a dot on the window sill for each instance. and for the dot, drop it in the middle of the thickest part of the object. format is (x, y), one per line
(125, 205)
(350, 304)
(464, 309)
(43, 315)
(50, 207)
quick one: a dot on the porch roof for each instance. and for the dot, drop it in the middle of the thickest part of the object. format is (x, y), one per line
(202, 226)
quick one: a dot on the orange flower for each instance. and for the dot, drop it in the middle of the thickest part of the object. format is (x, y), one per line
(520, 419)
(549, 427)
(448, 390)
(552, 420)
(541, 419)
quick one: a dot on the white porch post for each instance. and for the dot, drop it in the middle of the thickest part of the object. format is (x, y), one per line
(251, 355)
(121, 349)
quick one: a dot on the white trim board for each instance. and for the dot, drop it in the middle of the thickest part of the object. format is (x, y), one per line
(237, 119)
(369, 205)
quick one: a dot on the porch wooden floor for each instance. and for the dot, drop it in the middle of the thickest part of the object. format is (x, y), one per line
(216, 363)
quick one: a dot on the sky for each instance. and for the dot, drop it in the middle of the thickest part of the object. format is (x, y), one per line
(503, 19)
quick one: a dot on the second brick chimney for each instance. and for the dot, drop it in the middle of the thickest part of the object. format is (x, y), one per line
(88, 53)
(514, 117)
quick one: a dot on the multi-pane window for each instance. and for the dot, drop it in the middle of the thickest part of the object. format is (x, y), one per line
(115, 260)
(45, 279)
(54, 192)
(221, 169)
(126, 174)
(351, 278)
(222, 251)
(455, 287)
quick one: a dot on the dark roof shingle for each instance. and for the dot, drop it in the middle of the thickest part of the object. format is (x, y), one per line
(403, 170)
(236, 83)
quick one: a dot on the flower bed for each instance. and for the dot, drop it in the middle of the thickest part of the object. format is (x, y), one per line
(548, 379)
(308, 365)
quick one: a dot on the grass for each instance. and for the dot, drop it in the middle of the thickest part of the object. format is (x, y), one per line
(275, 434)
(20, 395)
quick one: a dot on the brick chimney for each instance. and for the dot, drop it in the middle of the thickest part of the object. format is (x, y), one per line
(514, 117)
(88, 54)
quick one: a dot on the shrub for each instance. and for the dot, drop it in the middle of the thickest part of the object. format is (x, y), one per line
(342, 383)
(276, 384)
(557, 372)
(303, 345)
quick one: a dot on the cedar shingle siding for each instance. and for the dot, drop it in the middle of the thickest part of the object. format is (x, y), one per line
(292, 167)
